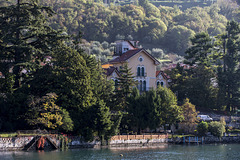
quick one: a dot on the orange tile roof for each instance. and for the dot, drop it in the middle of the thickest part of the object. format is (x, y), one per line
(107, 65)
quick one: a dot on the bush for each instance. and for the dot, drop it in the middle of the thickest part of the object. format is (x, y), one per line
(202, 128)
(217, 128)
(105, 45)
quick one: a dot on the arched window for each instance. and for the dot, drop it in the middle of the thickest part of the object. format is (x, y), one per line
(158, 83)
(142, 71)
(162, 83)
(138, 71)
(144, 86)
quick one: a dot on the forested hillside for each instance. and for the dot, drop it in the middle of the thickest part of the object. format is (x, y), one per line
(50, 80)
(154, 26)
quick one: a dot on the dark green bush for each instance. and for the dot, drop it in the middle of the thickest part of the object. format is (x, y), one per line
(202, 128)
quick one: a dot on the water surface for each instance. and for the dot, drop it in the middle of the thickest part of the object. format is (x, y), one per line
(164, 152)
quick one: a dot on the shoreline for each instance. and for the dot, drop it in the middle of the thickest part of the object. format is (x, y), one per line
(20, 143)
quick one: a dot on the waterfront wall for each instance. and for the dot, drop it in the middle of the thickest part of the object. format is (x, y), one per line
(20, 143)
(137, 140)
(14, 143)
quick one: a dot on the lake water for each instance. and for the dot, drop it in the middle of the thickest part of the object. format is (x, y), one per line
(164, 152)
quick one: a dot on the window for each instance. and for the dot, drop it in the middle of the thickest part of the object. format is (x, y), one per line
(140, 59)
(144, 86)
(143, 71)
(125, 49)
(138, 71)
(160, 83)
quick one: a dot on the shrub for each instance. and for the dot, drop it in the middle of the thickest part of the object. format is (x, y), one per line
(105, 45)
(217, 128)
(202, 128)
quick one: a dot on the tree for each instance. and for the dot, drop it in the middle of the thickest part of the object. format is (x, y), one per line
(217, 128)
(228, 72)
(190, 115)
(201, 47)
(202, 128)
(25, 39)
(25, 42)
(124, 87)
(96, 121)
(177, 39)
(171, 112)
(44, 113)
(153, 109)
(201, 87)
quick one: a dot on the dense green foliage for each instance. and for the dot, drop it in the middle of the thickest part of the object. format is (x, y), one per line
(211, 80)
(217, 128)
(156, 25)
(48, 82)
(153, 109)
(202, 128)
(37, 59)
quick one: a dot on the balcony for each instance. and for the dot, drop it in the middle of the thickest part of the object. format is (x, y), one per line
(141, 75)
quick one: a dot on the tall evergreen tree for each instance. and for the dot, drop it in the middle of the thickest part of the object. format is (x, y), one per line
(124, 87)
(201, 47)
(25, 37)
(25, 41)
(228, 70)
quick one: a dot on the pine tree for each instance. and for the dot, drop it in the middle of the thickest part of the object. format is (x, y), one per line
(228, 70)
(124, 87)
(201, 47)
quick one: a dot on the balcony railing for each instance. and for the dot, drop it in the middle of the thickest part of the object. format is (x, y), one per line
(141, 75)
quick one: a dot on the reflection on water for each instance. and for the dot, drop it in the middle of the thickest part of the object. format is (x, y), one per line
(163, 152)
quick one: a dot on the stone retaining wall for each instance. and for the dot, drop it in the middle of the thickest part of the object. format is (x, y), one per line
(14, 143)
